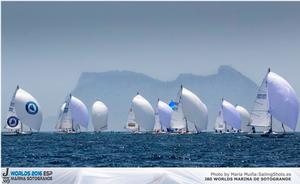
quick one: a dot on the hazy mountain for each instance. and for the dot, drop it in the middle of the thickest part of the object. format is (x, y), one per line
(117, 88)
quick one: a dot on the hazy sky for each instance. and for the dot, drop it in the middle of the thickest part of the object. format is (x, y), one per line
(45, 46)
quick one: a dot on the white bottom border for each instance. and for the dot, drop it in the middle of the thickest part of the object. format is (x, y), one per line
(151, 175)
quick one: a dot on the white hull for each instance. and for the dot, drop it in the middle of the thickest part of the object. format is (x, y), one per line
(67, 132)
(267, 135)
(16, 133)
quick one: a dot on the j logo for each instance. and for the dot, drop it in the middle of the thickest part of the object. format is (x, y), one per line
(5, 173)
(31, 108)
(12, 121)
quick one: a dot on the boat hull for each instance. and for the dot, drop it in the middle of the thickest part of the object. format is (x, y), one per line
(16, 133)
(266, 135)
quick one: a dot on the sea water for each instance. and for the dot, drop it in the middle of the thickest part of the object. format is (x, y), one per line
(149, 150)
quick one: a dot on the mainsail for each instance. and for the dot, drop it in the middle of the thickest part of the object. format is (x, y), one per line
(99, 116)
(245, 118)
(178, 121)
(157, 125)
(27, 109)
(231, 116)
(283, 101)
(65, 117)
(143, 113)
(219, 124)
(260, 115)
(131, 124)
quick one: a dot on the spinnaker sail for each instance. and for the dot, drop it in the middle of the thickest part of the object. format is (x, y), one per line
(99, 116)
(245, 118)
(142, 113)
(164, 112)
(74, 115)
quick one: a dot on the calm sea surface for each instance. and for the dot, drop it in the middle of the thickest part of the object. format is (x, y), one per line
(149, 150)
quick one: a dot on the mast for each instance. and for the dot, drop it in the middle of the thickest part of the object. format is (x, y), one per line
(72, 126)
(283, 127)
(161, 128)
(271, 124)
(186, 125)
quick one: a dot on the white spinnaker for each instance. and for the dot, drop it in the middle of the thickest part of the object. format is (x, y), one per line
(99, 116)
(194, 109)
(80, 115)
(260, 115)
(177, 119)
(164, 114)
(219, 124)
(143, 112)
(284, 104)
(245, 118)
(231, 116)
(28, 110)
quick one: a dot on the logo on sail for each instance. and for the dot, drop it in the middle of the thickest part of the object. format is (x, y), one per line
(32, 108)
(173, 105)
(12, 121)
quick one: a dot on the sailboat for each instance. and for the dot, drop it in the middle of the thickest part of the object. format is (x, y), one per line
(99, 116)
(24, 114)
(163, 116)
(276, 99)
(189, 113)
(141, 115)
(245, 118)
(228, 119)
(73, 114)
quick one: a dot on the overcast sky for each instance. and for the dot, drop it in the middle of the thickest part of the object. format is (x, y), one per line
(45, 46)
